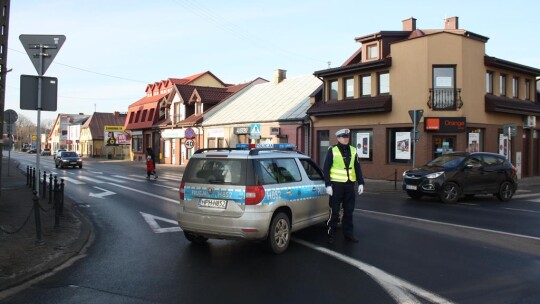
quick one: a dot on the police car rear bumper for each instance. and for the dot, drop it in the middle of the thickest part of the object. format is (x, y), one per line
(250, 226)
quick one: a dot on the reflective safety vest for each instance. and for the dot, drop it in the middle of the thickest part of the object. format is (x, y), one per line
(338, 171)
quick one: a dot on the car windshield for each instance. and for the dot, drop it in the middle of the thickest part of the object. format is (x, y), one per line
(68, 154)
(446, 161)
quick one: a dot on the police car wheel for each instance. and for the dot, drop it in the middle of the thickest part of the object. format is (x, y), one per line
(279, 235)
(194, 238)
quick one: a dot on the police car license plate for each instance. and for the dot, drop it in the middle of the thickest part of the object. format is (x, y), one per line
(410, 187)
(213, 203)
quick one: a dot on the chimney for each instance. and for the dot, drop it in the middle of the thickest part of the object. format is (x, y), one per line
(409, 25)
(451, 23)
(279, 76)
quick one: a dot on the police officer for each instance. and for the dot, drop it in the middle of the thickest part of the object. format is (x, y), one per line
(341, 172)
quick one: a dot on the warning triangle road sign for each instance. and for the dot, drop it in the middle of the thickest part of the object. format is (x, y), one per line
(40, 47)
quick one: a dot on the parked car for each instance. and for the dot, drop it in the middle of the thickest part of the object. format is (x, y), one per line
(31, 151)
(57, 153)
(68, 159)
(260, 194)
(46, 152)
(454, 175)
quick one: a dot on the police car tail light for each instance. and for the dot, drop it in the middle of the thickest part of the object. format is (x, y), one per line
(254, 195)
(182, 184)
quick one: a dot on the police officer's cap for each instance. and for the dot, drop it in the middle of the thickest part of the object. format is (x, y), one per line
(343, 133)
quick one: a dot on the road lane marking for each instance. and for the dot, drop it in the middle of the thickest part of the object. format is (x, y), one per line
(111, 179)
(71, 180)
(527, 195)
(151, 220)
(129, 178)
(524, 210)
(452, 225)
(146, 193)
(400, 290)
(97, 181)
(102, 194)
(168, 187)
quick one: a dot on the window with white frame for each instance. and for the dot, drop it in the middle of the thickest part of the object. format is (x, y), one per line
(333, 85)
(515, 87)
(349, 87)
(372, 51)
(502, 85)
(366, 85)
(384, 83)
(489, 82)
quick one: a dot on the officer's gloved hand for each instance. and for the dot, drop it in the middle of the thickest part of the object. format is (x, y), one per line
(360, 189)
(329, 190)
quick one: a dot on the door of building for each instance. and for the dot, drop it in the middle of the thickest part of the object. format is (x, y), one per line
(442, 145)
(525, 154)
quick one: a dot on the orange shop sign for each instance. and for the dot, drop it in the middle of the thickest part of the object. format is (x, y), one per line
(445, 124)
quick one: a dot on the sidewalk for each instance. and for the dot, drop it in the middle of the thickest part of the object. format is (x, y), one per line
(21, 256)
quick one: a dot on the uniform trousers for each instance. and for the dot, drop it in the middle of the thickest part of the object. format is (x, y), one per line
(343, 195)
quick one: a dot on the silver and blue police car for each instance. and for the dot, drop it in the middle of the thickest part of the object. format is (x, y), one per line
(256, 193)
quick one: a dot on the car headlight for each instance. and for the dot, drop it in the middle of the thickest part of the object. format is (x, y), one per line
(435, 175)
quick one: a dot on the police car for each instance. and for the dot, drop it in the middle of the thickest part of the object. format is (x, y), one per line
(262, 192)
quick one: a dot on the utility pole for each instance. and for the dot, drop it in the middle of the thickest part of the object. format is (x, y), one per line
(4, 24)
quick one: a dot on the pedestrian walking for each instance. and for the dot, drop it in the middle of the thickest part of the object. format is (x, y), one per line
(150, 168)
(342, 172)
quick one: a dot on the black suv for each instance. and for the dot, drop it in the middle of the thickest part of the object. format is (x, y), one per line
(458, 174)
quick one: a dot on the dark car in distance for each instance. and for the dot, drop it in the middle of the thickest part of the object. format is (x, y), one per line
(454, 175)
(68, 159)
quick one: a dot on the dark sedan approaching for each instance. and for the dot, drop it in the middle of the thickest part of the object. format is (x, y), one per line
(68, 159)
(454, 175)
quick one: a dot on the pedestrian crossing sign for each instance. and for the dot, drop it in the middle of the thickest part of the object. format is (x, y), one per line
(255, 130)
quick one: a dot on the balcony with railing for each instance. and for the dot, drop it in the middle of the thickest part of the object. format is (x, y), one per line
(444, 99)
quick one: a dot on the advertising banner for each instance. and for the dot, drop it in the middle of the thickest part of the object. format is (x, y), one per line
(503, 145)
(403, 145)
(474, 142)
(115, 135)
(362, 145)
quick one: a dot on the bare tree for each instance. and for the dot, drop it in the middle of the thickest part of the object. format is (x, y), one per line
(24, 129)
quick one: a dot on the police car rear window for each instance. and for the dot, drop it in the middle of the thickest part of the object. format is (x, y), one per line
(216, 171)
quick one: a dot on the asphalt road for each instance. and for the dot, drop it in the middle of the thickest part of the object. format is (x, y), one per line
(478, 251)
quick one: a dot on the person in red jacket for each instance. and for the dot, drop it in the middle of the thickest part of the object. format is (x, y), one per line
(150, 167)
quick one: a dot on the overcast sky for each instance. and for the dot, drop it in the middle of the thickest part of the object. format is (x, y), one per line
(114, 48)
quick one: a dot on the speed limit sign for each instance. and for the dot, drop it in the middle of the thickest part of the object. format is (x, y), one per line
(190, 143)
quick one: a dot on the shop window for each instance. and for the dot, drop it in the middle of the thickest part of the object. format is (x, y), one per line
(137, 143)
(363, 141)
(399, 145)
(442, 145)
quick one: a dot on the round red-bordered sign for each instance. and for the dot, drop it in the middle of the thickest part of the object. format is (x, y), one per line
(189, 143)
(189, 133)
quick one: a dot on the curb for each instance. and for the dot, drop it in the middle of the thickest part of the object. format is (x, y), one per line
(74, 249)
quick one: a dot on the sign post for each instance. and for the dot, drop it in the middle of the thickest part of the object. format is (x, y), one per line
(47, 46)
(415, 115)
(11, 119)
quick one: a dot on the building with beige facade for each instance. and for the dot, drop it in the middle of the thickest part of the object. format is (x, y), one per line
(469, 101)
